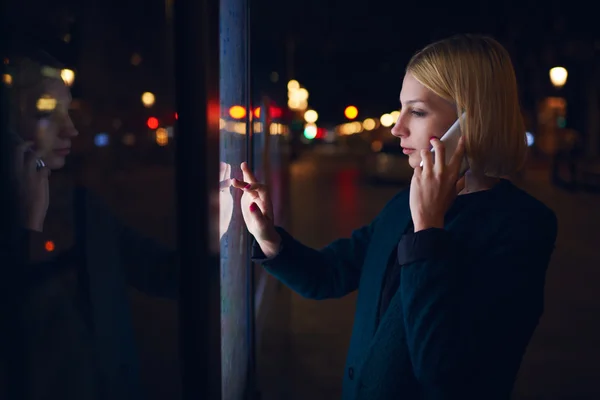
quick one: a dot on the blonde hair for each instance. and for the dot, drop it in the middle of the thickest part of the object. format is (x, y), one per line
(476, 74)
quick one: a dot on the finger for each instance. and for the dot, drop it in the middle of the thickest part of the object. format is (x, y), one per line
(458, 155)
(224, 184)
(259, 190)
(30, 161)
(238, 184)
(248, 175)
(25, 146)
(256, 211)
(245, 186)
(21, 149)
(228, 171)
(427, 159)
(249, 187)
(439, 154)
(418, 171)
(222, 170)
(265, 208)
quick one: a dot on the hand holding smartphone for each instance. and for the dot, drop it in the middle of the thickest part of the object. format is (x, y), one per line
(450, 140)
(39, 163)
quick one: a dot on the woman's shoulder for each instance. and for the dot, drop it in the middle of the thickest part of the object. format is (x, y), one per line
(520, 201)
(523, 213)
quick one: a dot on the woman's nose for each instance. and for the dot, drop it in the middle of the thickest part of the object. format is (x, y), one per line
(69, 129)
(398, 130)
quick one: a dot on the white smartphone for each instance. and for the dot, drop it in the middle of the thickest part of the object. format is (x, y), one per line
(450, 140)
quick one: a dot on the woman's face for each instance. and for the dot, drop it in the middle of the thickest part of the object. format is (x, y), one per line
(45, 120)
(424, 115)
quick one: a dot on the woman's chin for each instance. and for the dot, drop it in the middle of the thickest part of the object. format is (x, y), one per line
(413, 161)
(54, 162)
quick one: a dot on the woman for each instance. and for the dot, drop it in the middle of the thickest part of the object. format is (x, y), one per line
(450, 287)
(78, 328)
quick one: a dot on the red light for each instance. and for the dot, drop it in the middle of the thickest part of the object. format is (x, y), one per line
(152, 123)
(321, 132)
(275, 112)
(49, 246)
(176, 116)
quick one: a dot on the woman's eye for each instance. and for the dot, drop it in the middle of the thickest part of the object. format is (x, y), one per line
(418, 113)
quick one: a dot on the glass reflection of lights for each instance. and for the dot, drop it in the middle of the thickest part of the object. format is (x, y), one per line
(49, 246)
(237, 112)
(101, 140)
(162, 137)
(530, 139)
(148, 99)
(129, 139)
(152, 123)
(46, 103)
(68, 76)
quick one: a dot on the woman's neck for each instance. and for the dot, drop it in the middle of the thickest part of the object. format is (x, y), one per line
(477, 183)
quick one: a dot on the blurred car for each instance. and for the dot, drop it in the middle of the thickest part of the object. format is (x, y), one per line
(386, 162)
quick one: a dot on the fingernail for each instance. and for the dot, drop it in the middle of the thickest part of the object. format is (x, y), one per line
(433, 138)
(253, 207)
(248, 187)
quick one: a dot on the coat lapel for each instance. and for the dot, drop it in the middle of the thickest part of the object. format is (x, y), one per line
(391, 226)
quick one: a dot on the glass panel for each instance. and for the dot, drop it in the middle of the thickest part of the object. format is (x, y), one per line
(233, 142)
(96, 101)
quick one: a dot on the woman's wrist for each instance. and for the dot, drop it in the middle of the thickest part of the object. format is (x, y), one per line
(271, 244)
(423, 224)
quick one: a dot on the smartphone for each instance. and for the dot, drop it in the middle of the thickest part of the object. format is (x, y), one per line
(450, 140)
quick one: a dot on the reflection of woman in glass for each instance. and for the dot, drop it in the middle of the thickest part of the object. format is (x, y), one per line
(225, 199)
(79, 332)
(451, 273)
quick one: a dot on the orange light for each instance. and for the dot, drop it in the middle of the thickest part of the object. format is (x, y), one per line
(152, 123)
(237, 112)
(257, 112)
(49, 246)
(351, 112)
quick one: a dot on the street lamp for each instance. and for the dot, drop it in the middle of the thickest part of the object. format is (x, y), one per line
(311, 116)
(387, 120)
(351, 112)
(558, 77)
